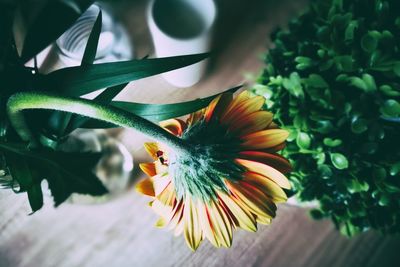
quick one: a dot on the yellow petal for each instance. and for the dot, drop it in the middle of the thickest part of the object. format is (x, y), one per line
(266, 171)
(251, 123)
(267, 186)
(177, 214)
(167, 196)
(160, 223)
(206, 224)
(221, 225)
(264, 220)
(245, 219)
(152, 149)
(264, 139)
(192, 230)
(145, 187)
(254, 199)
(174, 126)
(274, 160)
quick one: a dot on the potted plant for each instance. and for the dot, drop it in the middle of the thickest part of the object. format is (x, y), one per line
(333, 80)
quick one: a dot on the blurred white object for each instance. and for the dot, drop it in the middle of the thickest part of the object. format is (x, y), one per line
(182, 27)
(113, 42)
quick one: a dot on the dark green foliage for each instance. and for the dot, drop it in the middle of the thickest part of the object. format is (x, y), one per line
(22, 166)
(333, 80)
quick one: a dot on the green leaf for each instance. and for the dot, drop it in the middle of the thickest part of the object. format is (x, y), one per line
(53, 20)
(66, 173)
(317, 81)
(369, 42)
(35, 196)
(349, 33)
(339, 161)
(91, 47)
(358, 83)
(81, 80)
(390, 108)
(344, 63)
(369, 82)
(155, 112)
(332, 142)
(303, 140)
(359, 125)
(395, 169)
(396, 69)
(356, 186)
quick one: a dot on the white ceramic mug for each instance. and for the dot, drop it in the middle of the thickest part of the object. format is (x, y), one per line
(182, 27)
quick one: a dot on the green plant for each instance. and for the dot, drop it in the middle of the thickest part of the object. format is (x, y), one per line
(333, 80)
(52, 104)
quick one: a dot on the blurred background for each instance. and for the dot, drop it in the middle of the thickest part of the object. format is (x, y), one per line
(121, 232)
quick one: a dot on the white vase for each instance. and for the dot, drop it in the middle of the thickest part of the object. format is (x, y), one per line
(182, 27)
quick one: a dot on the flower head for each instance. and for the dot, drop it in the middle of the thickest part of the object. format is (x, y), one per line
(230, 177)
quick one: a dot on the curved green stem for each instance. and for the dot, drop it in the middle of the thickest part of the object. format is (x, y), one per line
(38, 100)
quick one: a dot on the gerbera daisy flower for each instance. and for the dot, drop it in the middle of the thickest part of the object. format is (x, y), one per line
(232, 176)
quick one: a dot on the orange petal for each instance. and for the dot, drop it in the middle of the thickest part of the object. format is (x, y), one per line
(195, 117)
(174, 126)
(274, 160)
(145, 187)
(210, 108)
(266, 171)
(253, 122)
(148, 168)
(244, 109)
(264, 139)
(274, 149)
(266, 185)
(152, 149)
(237, 101)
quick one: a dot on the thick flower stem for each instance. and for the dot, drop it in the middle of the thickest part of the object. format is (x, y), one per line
(38, 100)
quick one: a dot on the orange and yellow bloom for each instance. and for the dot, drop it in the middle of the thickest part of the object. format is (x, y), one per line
(232, 176)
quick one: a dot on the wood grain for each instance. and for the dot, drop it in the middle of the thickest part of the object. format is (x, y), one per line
(121, 233)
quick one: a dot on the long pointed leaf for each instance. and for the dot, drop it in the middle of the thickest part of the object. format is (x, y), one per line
(54, 19)
(59, 121)
(157, 112)
(91, 47)
(81, 80)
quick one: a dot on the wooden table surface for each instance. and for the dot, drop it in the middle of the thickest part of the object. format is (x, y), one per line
(121, 233)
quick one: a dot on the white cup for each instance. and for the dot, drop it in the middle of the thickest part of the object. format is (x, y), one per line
(182, 27)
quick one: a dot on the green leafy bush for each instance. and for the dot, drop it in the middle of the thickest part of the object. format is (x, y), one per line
(333, 80)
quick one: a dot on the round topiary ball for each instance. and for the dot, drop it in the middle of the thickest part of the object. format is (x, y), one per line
(333, 80)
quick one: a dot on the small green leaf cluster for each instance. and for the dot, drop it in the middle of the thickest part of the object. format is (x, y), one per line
(333, 80)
